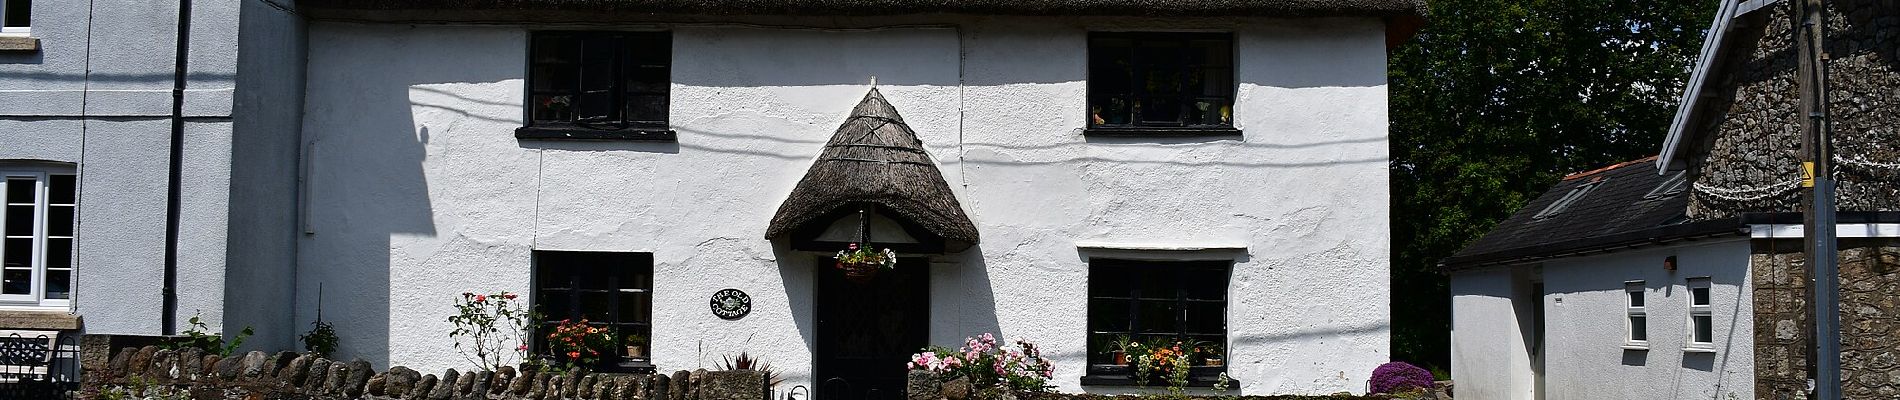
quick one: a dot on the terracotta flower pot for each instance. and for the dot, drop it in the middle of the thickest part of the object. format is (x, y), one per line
(1213, 362)
(1121, 358)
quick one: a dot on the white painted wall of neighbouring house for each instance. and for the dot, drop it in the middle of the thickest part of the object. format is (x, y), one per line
(1585, 323)
(1585, 303)
(1491, 334)
(419, 191)
(98, 93)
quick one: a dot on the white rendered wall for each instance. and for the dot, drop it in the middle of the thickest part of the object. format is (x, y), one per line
(420, 192)
(1584, 303)
(1490, 334)
(1586, 310)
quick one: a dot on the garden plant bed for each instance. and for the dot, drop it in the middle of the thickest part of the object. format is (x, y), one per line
(1068, 396)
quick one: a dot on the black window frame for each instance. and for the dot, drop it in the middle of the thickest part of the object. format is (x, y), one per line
(1101, 90)
(1142, 278)
(558, 281)
(629, 55)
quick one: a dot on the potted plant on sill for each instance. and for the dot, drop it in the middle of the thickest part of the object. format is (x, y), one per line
(1121, 347)
(636, 346)
(861, 264)
(580, 344)
(1210, 354)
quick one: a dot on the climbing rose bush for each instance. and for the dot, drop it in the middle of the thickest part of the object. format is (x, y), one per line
(989, 365)
(1397, 376)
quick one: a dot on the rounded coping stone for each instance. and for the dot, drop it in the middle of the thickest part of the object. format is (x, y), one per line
(520, 384)
(252, 365)
(421, 388)
(162, 363)
(338, 377)
(502, 380)
(375, 385)
(399, 382)
(293, 373)
(359, 374)
(444, 387)
(480, 387)
(120, 362)
(141, 361)
(585, 387)
(317, 372)
(463, 383)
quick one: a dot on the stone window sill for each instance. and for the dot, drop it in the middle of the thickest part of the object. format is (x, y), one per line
(1117, 375)
(38, 320)
(1163, 131)
(1699, 350)
(1636, 347)
(584, 134)
(19, 44)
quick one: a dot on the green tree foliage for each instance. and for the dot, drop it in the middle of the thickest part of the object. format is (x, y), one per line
(1493, 101)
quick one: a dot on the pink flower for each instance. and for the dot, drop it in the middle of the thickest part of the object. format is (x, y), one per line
(521, 348)
(506, 295)
(854, 247)
(480, 298)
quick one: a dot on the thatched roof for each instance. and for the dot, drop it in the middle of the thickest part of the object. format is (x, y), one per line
(875, 158)
(1182, 8)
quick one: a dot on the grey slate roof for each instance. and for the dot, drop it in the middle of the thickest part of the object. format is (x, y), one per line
(901, 7)
(1616, 213)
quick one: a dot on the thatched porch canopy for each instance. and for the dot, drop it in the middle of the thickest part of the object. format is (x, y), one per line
(875, 159)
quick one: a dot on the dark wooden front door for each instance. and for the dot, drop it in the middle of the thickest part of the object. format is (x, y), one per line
(867, 332)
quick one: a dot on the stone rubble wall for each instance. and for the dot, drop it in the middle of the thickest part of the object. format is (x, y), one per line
(1870, 316)
(1752, 130)
(289, 375)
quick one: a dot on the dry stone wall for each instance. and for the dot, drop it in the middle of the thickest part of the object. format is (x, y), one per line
(1752, 142)
(1870, 315)
(152, 372)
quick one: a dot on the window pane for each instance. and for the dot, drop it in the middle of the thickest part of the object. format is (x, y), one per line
(19, 13)
(1204, 284)
(62, 188)
(634, 307)
(1109, 279)
(20, 190)
(594, 306)
(1163, 110)
(19, 220)
(1700, 296)
(59, 220)
(648, 80)
(59, 253)
(1639, 327)
(556, 48)
(1636, 299)
(650, 109)
(18, 253)
(16, 281)
(1157, 317)
(1203, 317)
(1108, 315)
(59, 283)
(554, 77)
(1704, 328)
(594, 107)
(553, 108)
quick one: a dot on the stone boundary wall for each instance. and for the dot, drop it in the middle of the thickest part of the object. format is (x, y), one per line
(1870, 316)
(288, 375)
(926, 385)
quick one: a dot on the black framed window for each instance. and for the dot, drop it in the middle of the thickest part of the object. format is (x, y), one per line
(1157, 301)
(612, 290)
(1159, 82)
(598, 85)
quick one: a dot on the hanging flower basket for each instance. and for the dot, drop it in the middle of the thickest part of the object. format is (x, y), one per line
(861, 265)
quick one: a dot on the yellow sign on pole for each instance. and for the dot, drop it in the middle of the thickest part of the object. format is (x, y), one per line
(1807, 174)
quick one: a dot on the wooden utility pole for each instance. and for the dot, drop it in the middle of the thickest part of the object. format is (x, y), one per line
(1809, 29)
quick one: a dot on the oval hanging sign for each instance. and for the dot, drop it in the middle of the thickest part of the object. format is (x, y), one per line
(731, 304)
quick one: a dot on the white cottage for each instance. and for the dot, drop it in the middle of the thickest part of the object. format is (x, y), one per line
(1063, 172)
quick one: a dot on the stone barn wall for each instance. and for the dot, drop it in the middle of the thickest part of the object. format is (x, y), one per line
(1748, 160)
(1870, 314)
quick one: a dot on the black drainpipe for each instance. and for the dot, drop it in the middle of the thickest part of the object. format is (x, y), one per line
(174, 184)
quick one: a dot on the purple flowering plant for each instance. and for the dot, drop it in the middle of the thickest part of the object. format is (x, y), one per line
(988, 364)
(1398, 376)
